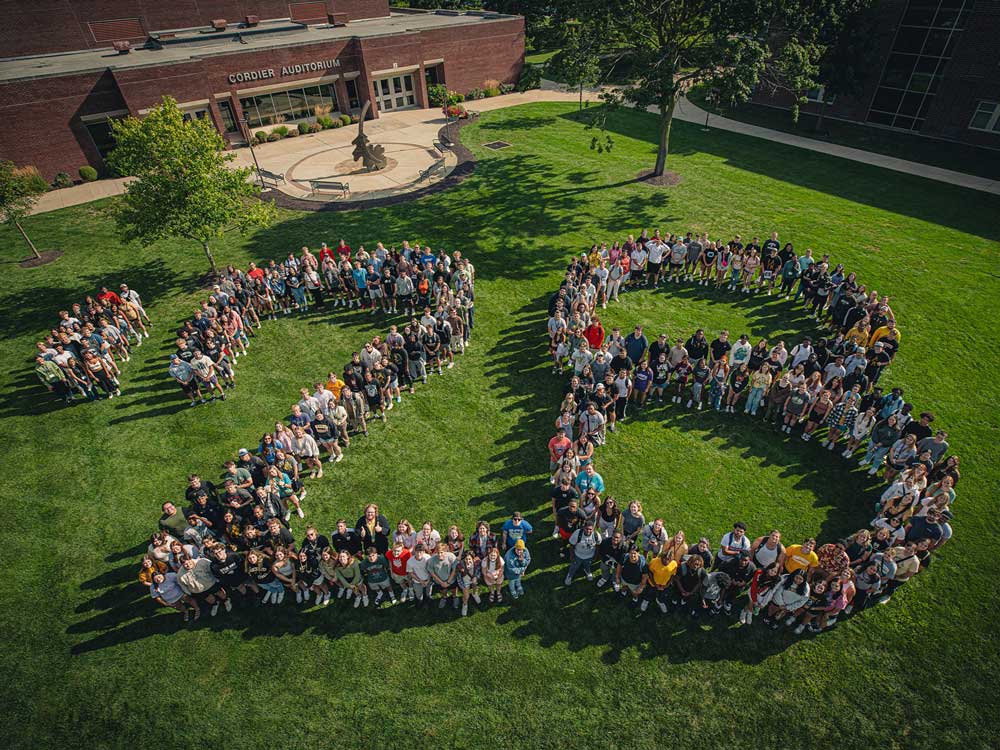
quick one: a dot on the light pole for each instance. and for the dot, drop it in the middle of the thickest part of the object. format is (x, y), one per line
(711, 99)
(245, 122)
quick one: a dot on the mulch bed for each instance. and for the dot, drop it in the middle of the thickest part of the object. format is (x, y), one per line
(48, 256)
(465, 167)
(667, 179)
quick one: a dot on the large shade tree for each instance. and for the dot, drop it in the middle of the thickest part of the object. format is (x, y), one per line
(727, 44)
(185, 184)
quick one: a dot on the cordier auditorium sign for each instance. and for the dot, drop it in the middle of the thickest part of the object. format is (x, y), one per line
(287, 70)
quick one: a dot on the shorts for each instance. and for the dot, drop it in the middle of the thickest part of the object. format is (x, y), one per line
(318, 581)
(659, 384)
(214, 588)
(565, 535)
(399, 580)
(652, 267)
(374, 293)
(378, 586)
(632, 588)
(447, 587)
(676, 266)
(213, 381)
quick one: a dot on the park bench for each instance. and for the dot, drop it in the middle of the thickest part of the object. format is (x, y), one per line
(326, 186)
(271, 177)
(435, 167)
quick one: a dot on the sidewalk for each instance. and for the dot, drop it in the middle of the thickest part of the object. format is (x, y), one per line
(426, 121)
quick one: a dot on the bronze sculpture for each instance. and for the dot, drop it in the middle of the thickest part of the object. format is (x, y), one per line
(372, 156)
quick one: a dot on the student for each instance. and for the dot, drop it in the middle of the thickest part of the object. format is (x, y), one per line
(763, 581)
(612, 551)
(493, 573)
(376, 571)
(630, 575)
(398, 558)
(167, 591)
(514, 529)
(659, 572)
(351, 579)
(467, 575)
(584, 542)
(786, 597)
(516, 562)
(690, 578)
(443, 568)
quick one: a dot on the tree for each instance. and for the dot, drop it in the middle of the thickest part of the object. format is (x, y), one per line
(834, 50)
(19, 191)
(678, 43)
(185, 185)
(577, 64)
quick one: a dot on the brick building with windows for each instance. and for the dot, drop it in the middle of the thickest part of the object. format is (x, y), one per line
(68, 67)
(937, 73)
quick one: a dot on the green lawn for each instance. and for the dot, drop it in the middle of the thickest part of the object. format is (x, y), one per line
(91, 663)
(961, 157)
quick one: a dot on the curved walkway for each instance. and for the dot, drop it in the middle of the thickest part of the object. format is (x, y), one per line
(428, 121)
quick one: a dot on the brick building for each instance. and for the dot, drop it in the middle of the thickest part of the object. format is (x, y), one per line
(937, 72)
(67, 67)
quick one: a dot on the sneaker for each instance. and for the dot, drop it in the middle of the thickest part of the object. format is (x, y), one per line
(465, 608)
(339, 458)
(455, 602)
(800, 628)
(555, 533)
(476, 598)
(644, 606)
(442, 602)
(590, 576)
(616, 586)
(568, 580)
(691, 401)
(728, 607)
(699, 406)
(281, 597)
(662, 606)
(215, 609)
(357, 602)
(846, 453)
(228, 604)
(298, 511)
(393, 600)
(326, 599)
(267, 597)
(790, 620)
(378, 598)
(364, 600)
(298, 596)
(885, 600)
(341, 592)
(814, 629)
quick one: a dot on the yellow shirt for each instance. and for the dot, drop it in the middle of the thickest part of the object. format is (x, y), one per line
(661, 572)
(881, 333)
(796, 559)
(857, 336)
(335, 386)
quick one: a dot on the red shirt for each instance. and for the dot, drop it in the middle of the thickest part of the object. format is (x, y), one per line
(257, 274)
(109, 296)
(398, 564)
(344, 252)
(594, 335)
(558, 447)
(327, 252)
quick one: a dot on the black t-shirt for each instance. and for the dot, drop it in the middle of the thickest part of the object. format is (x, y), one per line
(314, 547)
(719, 349)
(697, 348)
(349, 541)
(230, 570)
(570, 520)
(562, 497)
(915, 428)
(610, 553)
(283, 538)
(621, 362)
(632, 572)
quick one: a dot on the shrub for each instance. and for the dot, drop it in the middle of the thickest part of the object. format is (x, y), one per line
(63, 180)
(282, 130)
(292, 133)
(303, 128)
(347, 119)
(33, 178)
(475, 94)
(506, 88)
(274, 136)
(455, 98)
(353, 118)
(260, 136)
(315, 127)
(437, 95)
(328, 122)
(531, 78)
(88, 173)
(455, 110)
(491, 87)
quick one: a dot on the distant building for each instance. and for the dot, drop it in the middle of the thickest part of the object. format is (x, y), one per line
(68, 67)
(938, 73)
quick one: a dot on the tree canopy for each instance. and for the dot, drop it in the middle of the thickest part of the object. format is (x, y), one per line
(185, 183)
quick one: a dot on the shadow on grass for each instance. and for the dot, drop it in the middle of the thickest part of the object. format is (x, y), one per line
(912, 196)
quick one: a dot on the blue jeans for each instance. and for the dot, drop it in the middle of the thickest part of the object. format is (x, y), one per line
(799, 291)
(274, 587)
(715, 394)
(514, 583)
(876, 454)
(753, 400)
(576, 563)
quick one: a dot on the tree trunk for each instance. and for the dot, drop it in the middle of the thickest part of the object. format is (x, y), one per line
(34, 250)
(666, 119)
(822, 114)
(211, 259)
(580, 107)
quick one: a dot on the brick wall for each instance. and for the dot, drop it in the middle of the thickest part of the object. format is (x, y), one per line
(52, 137)
(31, 27)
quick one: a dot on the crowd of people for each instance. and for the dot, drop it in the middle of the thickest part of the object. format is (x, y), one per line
(827, 390)
(80, 356)
(232, 537)
(431, 290)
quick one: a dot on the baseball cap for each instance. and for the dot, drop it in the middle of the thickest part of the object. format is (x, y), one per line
(243, 452)
(519, 544)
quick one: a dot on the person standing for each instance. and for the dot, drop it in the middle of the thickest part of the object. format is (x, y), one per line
(516, 562)
(584, 543)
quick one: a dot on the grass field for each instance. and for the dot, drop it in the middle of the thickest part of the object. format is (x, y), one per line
(91, 663)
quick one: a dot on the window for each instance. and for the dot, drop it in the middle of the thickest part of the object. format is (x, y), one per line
(228, 120)
(353, 101)
(819, 94)
(104, 139)
(196, 114)
(287, 106)
(986, 117)
(924, 43)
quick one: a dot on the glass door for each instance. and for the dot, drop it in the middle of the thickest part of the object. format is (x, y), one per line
(395, 92)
